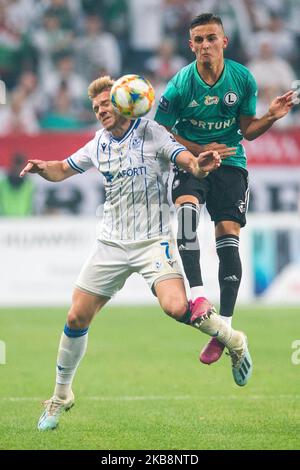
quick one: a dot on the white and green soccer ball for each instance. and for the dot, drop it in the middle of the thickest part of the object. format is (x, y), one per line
(132, 96)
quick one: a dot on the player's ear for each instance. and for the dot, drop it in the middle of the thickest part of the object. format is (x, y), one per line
(191, 45)
(225, 42)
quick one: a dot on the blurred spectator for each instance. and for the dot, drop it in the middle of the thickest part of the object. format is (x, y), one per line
(61, 117)
(146, 32)
(116, 18)
(258, 14)
(64, 75)
(10, 50)
(165, 63)
(92, 7)
(177, 15)
(16, 194)
(50, 40)
(17, 117)
(21, 14)
(60, 9)
(97, 50)
(29, 88)
(283, 40)
(274, 77)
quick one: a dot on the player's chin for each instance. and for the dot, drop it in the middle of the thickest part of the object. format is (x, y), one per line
(109, 122)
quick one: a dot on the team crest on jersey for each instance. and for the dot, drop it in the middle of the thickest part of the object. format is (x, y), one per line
(209, 100)
(230, 98)
(136, 142)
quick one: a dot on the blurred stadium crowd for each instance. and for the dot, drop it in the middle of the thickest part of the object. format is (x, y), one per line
(51, 49)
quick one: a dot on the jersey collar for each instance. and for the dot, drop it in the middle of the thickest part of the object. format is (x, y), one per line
(134, 124)
(204, 84)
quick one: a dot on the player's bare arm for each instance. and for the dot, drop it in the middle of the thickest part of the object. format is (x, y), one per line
(253, 127)
(201, 166)
(52, 171)
(195, 148)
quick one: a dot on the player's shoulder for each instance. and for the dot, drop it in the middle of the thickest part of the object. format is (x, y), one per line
(237, 68)
(183, 76)
(150, 129)
(148, 126)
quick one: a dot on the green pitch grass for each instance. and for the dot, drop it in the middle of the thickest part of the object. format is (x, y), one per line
(141, 386)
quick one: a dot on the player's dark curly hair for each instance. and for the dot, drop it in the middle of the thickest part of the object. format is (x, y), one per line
(205, 18)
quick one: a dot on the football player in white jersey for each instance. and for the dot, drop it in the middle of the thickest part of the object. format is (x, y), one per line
(134, 237)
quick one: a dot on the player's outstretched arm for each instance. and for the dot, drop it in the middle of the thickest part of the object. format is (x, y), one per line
(52, 171)
(253, 127)
(195, 148)
(201, 166)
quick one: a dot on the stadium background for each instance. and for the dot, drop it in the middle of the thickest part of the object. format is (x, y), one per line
(49, 51)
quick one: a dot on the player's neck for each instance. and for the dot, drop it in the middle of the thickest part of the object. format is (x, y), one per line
(210, 73)
(121, 128)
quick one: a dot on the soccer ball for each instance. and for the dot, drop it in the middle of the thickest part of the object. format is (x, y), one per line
(132, 96)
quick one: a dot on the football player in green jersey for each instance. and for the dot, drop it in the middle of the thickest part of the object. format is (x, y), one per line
(211, 105)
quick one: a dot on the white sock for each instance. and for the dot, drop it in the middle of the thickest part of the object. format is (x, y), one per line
(228, 320)
(70, 352)
(197, 291)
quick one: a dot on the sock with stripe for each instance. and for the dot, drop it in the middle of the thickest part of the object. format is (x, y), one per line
(230, 272)
(188, 215)
(72, 347)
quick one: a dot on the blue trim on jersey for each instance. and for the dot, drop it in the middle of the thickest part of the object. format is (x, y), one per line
(98, 157)
(74, 165)
(146, 186)
(110, 187)
(120, 196)
(131, 128)
(133, 203)
(74, 333)
(176, 152)
(121, 214)
(132, 190)
(159, 201)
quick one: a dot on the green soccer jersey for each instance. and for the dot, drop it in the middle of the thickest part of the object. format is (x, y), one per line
(202, 113)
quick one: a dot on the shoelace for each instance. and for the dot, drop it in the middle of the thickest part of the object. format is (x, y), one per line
(52, 406)
(236, 358)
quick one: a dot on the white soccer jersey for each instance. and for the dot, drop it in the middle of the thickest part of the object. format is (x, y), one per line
(136, 206)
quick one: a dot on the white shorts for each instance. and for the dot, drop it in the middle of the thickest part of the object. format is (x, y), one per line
(110, 264)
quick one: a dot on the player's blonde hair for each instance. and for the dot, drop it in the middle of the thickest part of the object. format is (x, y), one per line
(99, 85)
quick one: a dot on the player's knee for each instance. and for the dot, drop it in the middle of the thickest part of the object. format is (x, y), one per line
(77, 320)
(176, 308)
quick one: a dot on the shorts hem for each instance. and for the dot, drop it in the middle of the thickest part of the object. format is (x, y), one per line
(164, 277)
(90, 291)
(188, 193)
(230, 219)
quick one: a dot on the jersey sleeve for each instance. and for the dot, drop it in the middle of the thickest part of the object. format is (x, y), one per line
(169, 104)
(248, 106)
(166, 146)
(81, 160)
